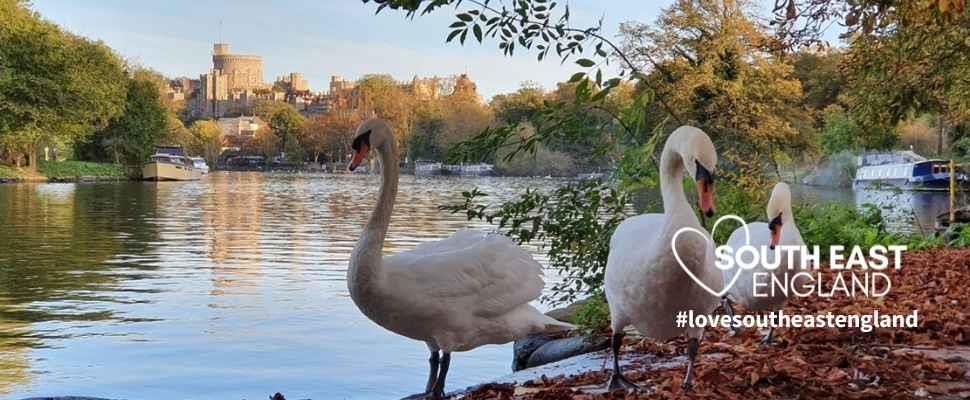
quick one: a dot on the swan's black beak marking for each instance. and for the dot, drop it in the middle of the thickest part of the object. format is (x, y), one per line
(775, 227)
(361, 146)
(705, 189)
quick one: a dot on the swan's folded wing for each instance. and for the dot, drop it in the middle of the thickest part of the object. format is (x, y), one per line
(485, 275)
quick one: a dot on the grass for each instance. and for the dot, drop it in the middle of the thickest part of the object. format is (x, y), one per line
(9, 172)
(72, 169)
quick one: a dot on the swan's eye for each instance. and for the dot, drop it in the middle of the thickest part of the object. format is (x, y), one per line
(775, 223)
(703, 175)
(363, 138)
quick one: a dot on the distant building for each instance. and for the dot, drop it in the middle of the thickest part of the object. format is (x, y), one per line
(240, 126)
(234, 82)
(293, 82)
(345, 96)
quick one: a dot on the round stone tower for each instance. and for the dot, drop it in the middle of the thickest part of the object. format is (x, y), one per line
(242, 71)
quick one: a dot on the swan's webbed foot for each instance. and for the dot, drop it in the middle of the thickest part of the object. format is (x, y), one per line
(727, 308)
(618, 382)
(769, 339)
(692, 347)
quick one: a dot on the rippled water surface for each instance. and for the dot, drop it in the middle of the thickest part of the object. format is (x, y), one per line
(232, 287)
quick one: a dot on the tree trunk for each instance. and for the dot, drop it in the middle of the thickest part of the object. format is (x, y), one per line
(32, 157)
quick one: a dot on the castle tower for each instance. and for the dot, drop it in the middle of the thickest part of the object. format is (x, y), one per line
(243, 71)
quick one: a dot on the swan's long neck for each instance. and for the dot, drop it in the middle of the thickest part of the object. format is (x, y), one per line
(672, 179)
(365, 264)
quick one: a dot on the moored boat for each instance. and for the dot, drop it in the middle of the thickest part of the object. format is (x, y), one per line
(170, 164)
(200, 164)
(906, 170)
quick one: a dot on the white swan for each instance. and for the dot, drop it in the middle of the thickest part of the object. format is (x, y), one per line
(645, 285)
(781, 230)
(456, 294)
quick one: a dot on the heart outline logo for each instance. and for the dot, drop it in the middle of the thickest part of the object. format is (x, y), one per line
(708, 238)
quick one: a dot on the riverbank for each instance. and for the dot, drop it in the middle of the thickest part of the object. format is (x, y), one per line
(930, 361)
(64, 171)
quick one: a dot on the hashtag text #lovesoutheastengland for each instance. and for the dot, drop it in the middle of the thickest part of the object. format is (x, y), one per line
(780, 319)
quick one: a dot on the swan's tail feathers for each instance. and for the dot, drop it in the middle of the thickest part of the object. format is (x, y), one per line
(555, 325)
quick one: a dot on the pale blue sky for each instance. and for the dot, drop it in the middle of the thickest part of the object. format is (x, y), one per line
(318, 38)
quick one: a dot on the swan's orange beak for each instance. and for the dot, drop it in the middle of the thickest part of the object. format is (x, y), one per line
(775, 227)
(358, 156)
(705, 194)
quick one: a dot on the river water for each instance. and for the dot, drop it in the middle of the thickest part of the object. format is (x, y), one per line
(232, 287)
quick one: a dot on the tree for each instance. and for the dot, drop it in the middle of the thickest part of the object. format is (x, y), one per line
(329, 135)
(914, 68)
(54, 86)
(722, 75)
(206, 140)
(285, 123)
(384, 97)
(521, 105)
(130, 138)
(821, 79)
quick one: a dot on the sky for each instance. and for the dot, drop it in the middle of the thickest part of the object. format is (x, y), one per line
(318, 38)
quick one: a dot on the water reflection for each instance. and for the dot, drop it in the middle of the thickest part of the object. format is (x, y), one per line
(912, 212)
(232, 287)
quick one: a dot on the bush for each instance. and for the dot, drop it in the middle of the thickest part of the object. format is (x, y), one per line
(594, 315)
(544, 162)
(73, 169)
(8, 172)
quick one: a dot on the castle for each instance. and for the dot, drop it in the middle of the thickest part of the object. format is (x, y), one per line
(235, 83)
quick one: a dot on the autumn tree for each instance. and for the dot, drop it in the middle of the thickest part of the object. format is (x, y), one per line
(207, 140)
(719, 71)
(385, 98)
(329, 135)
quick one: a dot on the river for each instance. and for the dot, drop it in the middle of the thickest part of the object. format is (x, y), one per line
(232, 287)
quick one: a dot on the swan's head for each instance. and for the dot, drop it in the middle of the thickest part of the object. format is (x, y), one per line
(700, 161)
(778, 205)
(371, 134)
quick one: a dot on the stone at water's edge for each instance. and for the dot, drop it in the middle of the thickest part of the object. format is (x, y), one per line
(538, 349)
(523, 349)
(561, 349)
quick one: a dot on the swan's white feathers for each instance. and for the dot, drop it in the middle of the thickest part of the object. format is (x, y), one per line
(486, 275)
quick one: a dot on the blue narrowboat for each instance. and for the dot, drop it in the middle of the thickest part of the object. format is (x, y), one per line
(906, 170)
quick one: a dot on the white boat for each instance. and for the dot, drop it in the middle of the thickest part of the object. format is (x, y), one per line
(906, 170)
(199, 163)
(170, 164)
(480, 169)
(427, 168)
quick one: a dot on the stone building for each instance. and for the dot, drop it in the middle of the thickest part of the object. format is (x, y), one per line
(234, 82)
(344, 95)
(292, 83)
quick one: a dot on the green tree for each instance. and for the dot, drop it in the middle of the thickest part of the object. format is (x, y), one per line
(130, 138)
(821, 79)
(286, 123)
(55, 87)
(521, 105)
(206, 140)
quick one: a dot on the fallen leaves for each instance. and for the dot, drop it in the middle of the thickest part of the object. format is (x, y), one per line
(814, 363)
